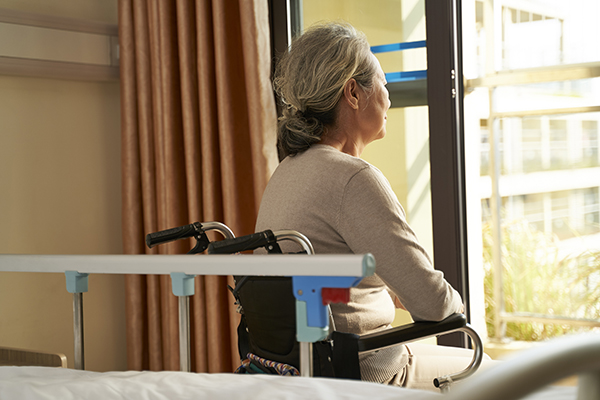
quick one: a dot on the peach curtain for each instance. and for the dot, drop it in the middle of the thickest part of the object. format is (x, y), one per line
(198, 144)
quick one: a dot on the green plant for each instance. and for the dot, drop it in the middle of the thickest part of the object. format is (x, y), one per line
(536, 280)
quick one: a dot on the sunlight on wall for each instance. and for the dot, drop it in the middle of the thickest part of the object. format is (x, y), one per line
(60, 152)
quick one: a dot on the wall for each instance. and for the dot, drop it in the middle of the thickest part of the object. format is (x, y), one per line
(60, 180)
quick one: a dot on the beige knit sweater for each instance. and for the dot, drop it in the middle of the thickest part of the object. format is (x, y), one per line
(345, 205)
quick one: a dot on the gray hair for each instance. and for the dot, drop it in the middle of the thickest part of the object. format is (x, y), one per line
(310, 80)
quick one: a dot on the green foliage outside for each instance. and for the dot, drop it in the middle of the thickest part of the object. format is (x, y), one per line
(537, 280)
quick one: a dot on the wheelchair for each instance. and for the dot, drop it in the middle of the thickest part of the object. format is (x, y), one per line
(267, 330)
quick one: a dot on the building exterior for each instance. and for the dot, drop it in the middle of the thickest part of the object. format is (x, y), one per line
(532, 110)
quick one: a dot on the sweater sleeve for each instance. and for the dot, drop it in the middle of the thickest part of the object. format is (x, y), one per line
(371, 220)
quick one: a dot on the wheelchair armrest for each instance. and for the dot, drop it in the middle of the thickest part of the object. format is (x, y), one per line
(422, 330)
(410, 332)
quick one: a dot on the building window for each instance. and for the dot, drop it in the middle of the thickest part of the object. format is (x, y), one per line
(533, 91)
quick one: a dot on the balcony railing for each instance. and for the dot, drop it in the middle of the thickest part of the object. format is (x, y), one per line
(407, 88)
(497, 186)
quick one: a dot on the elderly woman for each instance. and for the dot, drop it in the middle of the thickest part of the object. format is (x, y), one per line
(335, 103)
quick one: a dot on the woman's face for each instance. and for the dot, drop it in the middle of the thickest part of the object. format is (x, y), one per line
(374, 114)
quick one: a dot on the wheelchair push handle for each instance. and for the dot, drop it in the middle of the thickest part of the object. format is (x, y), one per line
(267, 239)
(196, 230)
(243, 243)
(169, 235)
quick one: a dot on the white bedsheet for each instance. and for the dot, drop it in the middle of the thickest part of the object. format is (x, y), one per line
(39, 383)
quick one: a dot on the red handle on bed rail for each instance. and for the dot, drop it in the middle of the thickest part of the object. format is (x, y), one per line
(335, 295)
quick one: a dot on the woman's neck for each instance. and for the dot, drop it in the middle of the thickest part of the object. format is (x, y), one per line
(342, 141)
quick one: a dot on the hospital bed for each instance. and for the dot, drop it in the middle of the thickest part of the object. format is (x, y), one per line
(40, 383)
(524, 375)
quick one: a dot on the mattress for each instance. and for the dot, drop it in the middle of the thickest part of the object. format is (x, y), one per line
(41, 383)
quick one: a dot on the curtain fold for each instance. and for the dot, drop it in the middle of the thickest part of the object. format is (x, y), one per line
(198, 144)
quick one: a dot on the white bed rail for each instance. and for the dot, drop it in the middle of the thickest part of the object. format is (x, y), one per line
(160, 264)
(182, 269)
(538, 367)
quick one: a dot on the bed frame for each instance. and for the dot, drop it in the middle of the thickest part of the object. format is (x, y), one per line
(345, 270)
(22, 357)
(308, 279)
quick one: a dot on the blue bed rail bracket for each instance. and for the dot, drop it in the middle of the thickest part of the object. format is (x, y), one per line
(77, 282)
(312, 319)
(314, 293)
(182, 284)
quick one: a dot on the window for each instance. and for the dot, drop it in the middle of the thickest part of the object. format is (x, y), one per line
(403, 155)
(533, 95)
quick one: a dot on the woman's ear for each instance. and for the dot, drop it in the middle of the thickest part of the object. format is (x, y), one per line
(351, 93)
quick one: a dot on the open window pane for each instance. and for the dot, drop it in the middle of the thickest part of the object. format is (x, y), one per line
(532, 111)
